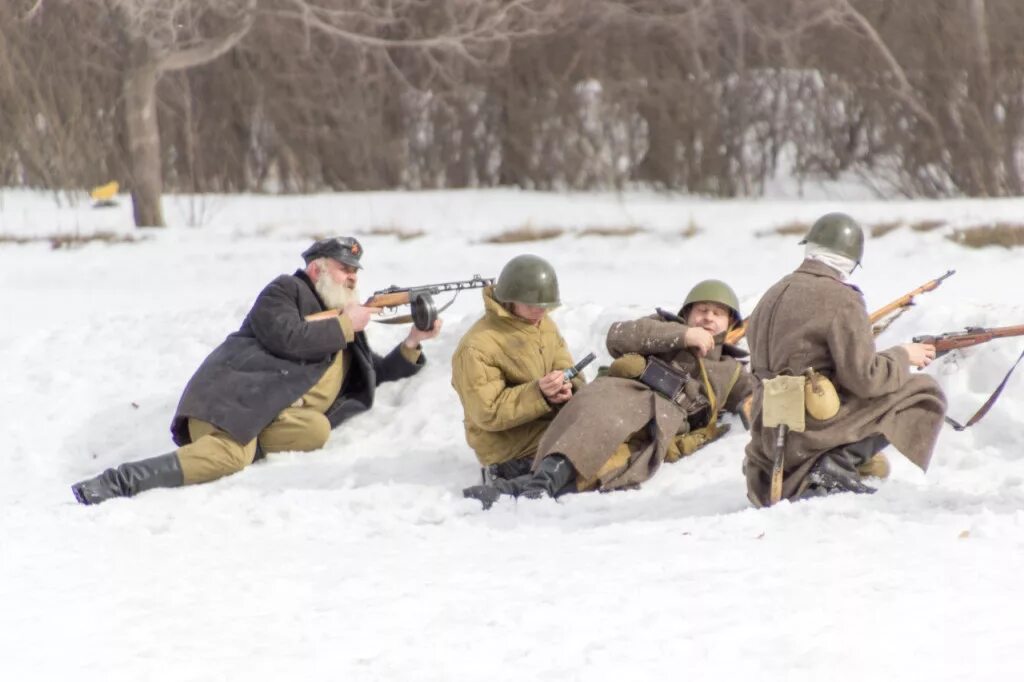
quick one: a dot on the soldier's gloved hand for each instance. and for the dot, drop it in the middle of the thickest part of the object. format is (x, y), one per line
(359, 315)
(699, 339)
(554, 387)
(629, 366)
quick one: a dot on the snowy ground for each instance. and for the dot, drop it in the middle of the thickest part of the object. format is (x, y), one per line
(363, 562)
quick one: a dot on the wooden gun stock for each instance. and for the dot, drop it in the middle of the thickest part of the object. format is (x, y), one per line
(737, 333)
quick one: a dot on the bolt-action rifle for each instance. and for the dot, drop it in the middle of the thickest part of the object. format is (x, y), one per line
(972, 336)
(901, 304)
(420, 300)
(898, 306)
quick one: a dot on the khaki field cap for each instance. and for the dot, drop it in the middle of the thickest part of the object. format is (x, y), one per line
(345, 250)
(715, 291)
(840, 233)
(530, 280)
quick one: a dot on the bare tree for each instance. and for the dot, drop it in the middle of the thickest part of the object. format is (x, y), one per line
(161, 36)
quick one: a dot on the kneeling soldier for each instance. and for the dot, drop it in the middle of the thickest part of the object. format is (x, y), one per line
(813, 323)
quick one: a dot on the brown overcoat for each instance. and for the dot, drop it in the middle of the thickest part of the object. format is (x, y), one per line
(811, 318)
(611, 411)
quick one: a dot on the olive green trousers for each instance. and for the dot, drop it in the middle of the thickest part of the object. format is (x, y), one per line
(302, 428)
(213, 453)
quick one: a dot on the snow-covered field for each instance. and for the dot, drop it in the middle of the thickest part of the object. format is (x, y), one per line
(363, 562)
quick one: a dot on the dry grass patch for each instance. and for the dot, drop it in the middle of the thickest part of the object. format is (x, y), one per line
(1007, 235)
(628, 231)
(690, 231)
(73, 241)
(399, 233)
(882, 229)
(792, 229)
(927, 225)
(527, 233)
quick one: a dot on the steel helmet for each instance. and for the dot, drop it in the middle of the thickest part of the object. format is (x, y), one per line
(530, 280)
(715, 291)
(840, 233)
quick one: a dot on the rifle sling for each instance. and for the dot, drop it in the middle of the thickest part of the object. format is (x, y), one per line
(983, 410)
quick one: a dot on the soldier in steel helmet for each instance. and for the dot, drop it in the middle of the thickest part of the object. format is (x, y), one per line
(814, 323)
(509, 369)
(279, 383)
(672, 377)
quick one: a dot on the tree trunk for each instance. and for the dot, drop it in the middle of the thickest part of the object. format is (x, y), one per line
(143, 139)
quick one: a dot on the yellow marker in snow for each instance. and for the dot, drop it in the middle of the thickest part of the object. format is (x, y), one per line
(105, 192)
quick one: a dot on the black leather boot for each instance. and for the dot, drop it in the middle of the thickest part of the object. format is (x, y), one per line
(130, 479)
(551, 478)
(836, 471)
(489, 493)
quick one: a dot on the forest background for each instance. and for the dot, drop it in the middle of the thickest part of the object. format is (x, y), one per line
(711, 97)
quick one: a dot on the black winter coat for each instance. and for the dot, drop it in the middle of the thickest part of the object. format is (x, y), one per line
(274, 359)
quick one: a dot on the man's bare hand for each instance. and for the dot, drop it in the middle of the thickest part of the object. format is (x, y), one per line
(554, 387)
(921, 354)
(417, 335)
(699, 339)
(359, 315)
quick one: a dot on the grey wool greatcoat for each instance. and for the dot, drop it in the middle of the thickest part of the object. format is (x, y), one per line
(613, 410)
(811, 318)
(274, 359)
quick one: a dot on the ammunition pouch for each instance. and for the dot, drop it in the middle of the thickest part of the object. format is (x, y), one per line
(783, 402)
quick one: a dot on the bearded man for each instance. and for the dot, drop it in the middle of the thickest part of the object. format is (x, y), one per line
(280, 383)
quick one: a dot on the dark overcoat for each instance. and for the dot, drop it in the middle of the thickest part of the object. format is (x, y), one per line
(811, 319)
(614, 410)
(274, 359)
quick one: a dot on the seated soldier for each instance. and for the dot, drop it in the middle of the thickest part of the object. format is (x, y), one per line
(509, 369)
(813, 321)
(672, 377)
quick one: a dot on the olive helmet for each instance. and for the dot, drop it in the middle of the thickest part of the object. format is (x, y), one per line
(529, 280)
(840, 233)
(715, 291)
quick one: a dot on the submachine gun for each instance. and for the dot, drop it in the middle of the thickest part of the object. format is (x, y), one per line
(420, 299)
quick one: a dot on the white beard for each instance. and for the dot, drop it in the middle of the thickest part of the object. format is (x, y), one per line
(333, 294)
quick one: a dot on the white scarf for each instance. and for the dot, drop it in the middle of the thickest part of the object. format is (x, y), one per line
(838, 262)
